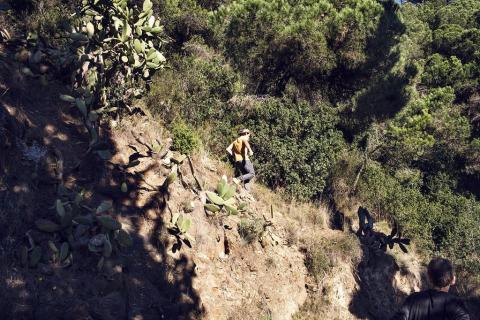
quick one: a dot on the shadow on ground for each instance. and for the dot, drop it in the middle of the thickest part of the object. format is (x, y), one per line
(376, 297)
(43, 144)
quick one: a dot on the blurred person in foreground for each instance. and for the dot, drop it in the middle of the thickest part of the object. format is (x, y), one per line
(435, 303)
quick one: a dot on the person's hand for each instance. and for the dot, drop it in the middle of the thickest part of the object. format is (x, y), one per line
(250, 153)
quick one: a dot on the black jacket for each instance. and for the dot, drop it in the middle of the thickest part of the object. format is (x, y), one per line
(432, 305)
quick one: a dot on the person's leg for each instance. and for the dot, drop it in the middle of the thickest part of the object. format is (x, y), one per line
(249, 172)
(238, 171)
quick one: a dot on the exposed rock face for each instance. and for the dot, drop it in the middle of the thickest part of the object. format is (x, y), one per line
(248, 280)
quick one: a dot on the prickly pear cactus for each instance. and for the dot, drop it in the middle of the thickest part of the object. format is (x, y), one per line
(115, 49)
(223, 199)
(102, 233)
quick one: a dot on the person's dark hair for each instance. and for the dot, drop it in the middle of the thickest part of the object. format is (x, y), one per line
(440, 272)
(243, 132)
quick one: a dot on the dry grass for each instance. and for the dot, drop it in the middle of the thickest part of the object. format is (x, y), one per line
(314, 215)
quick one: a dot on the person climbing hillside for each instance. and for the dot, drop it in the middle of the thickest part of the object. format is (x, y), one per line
(436, 303)
(241, 151)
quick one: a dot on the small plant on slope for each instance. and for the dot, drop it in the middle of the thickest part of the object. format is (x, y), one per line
(179, 227)
(223, 199)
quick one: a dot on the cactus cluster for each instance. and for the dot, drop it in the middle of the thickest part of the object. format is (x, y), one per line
(179, 226)
(223, 199)
(76, 225)
(115, 51)
(172, 176)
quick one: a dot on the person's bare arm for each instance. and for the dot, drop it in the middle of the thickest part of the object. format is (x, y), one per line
(229, 149)
(248, 148)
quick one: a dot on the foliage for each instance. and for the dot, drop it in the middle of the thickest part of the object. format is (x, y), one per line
(118, 47)
(274, 41)
(223, 199)
(380, 98)
(195, 88)
(442, 72)
(403, 92)
(430, 128)
(184, 19)
(251, 230)
(179, 226)
(185, 139)
(49, 20)
(76, 225)
(114, 50)
(295, 145)
(322, 255)
(318, 263)
(440, 221)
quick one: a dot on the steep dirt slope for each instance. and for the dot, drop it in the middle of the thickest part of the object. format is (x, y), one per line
(220, 277)
(233, 279)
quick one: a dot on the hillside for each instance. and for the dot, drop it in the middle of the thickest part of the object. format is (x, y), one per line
(117, 198)
(228, 273)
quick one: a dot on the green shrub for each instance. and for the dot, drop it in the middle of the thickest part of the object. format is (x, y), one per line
(250, 230)
(318, 263)
(430, 129)
(274, 41)
(324, 254)
(195, 89)
(185, 140)
(440, 221)
(183, 20)
(48, 19)
(441, 72)
(294, 145)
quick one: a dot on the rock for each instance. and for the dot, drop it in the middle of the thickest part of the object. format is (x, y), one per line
(188, 206)
(178, 158)
(151, 214)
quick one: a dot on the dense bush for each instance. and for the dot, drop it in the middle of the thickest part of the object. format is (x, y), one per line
(274, 41)
(440, 221)
(47, 20)
(195, 88)
(428, 129)
(184, 19)
(295, 144)
(441, 72)
(185, 140)
(323, 255)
